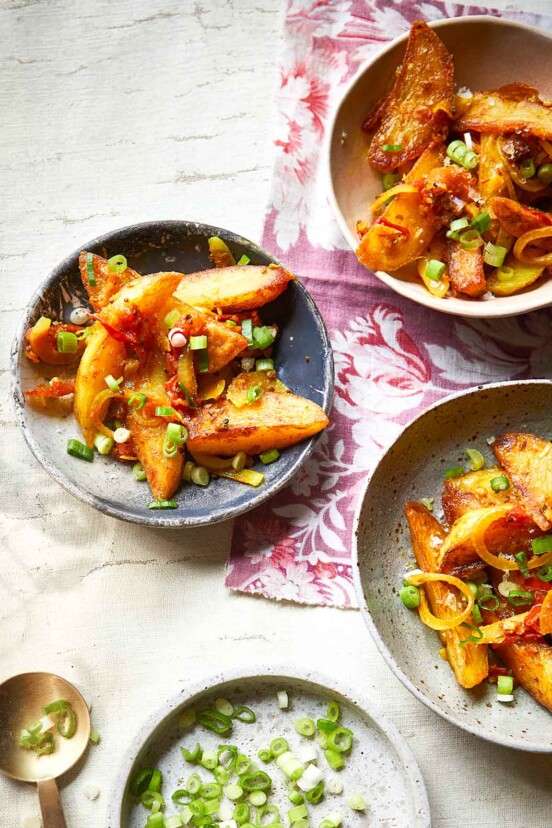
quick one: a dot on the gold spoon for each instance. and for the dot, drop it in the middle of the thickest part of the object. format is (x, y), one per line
(21, 701)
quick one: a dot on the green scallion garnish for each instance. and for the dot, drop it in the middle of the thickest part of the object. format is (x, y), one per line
(77, 449)
(90, 275)
(494, 254)
(269, 456)
(392, 147)
(198, 343)
(435, 269)
(254, 393)
(66, 342)
(500, 484)
(117, 264)
(541, 545)
(163, 504)
(455, 471)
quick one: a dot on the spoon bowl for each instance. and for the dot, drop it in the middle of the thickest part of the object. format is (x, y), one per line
(22, 699)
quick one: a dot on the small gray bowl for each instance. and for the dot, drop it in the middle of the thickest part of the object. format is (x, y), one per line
(411, 469)
(381, 766)
(108, 485)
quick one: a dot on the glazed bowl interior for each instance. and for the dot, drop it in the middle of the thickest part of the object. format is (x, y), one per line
(379, 751)
(488, 52)
(110, 486)
(414, 468)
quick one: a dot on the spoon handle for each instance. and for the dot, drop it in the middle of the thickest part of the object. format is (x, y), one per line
(50, 805)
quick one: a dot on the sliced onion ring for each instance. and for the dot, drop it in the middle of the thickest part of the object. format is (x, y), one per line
(430, 620)
(527, 238)
(504, 564)
(398, 188)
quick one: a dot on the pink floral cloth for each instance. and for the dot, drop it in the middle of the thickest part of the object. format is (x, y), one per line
(393, 358)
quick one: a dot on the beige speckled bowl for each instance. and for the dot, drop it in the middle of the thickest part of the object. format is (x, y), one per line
(413, 468)
(488, 52)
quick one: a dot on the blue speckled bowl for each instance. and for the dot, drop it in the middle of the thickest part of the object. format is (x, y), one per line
(108, 485)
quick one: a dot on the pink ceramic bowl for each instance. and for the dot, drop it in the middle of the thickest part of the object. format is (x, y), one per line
(488, 52)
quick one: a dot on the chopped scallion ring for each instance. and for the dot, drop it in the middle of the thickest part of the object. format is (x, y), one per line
(247, 330)
(164, 411)
(243, 260)
(198, 343)
(200, 476)
(455, 471)
(500, 484)
(505, 685)
(283, 699)
(171, 318)
(435, 269)
(520, 598)
(305, 726)
(545, 174)
(264, 365)
(163, 504)
(90, 275)
(67, 342)
(356, 802)
(470, 239)
(244, 714)
(112, 383)
(527, 168)
(544, 574)
(494, 255)
(279, 746)
(254, 393)
(410, 596)
(389, 180)
(333, 712)
(139, 472)
(77, 449)
(481, 223)
(504, 274)
(477, 461)
(541, 545)
(392, 147)
(456, 227)
(488, 602)
(269, 456)
(121, 435)
(137, 401)
(262, 337)
(117, 264)
(215, 721)
(521, 560)
(103, 444)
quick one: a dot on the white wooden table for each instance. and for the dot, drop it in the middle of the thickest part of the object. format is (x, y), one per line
(112, 113)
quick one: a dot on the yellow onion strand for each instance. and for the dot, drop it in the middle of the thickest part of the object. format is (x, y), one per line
(504, 564)
(99, 407)
(430, 620)
(393, 191)
(528, 238)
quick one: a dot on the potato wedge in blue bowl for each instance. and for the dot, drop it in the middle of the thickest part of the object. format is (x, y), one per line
(172, 374)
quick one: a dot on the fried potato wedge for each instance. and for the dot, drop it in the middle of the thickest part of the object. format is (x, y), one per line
(531, 666)
(494, 179)
(103, 356)
(473, 491)
(523, 275)
(415, 113)
(148, 294)
(527, 460)
(223, 342)
(107, 284)
(465, 269)
(383, 246)
(273, 422)
(499, 631)
(507, 535)
(42, 343)
(469, 662)
(164, 474)
(511, 108)
(516, 218)
(233, 289)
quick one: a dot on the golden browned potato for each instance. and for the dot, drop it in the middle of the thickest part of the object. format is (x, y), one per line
(492, 173)
(468, 662)
(414, 115)
(275, 421)
(473, 491)
(465, 269)
(531, 665)
(107, 284)
(523, 275)
(527, 460)
(513, 108)
(103, 356)
(233, 289)
(164, 474)
(385, 246)
(148, 294)
(42, 343)
(518, 219)
(243, 383)
(508, 535)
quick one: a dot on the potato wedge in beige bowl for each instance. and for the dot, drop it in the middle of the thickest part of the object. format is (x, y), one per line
(487, 54)
(412, 501)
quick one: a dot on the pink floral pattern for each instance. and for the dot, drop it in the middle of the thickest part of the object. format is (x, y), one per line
(392, 358)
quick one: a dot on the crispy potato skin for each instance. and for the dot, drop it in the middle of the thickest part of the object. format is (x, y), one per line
(511, 534)
(465, 269)
(527, 460)
(531, 665)
(107, 282)
(512, 108)
(233, 289)
(103, 355)
(423, 80)
(516, 218)
(493, 175)
(382, 247)
(469, 662)
(275, 421)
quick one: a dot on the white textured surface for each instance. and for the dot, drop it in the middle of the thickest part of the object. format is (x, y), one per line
(115, 112)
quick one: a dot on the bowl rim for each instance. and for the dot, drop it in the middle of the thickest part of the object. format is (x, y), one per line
(452, 306)
(212, 681)
(105, 506)
(357, 580)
